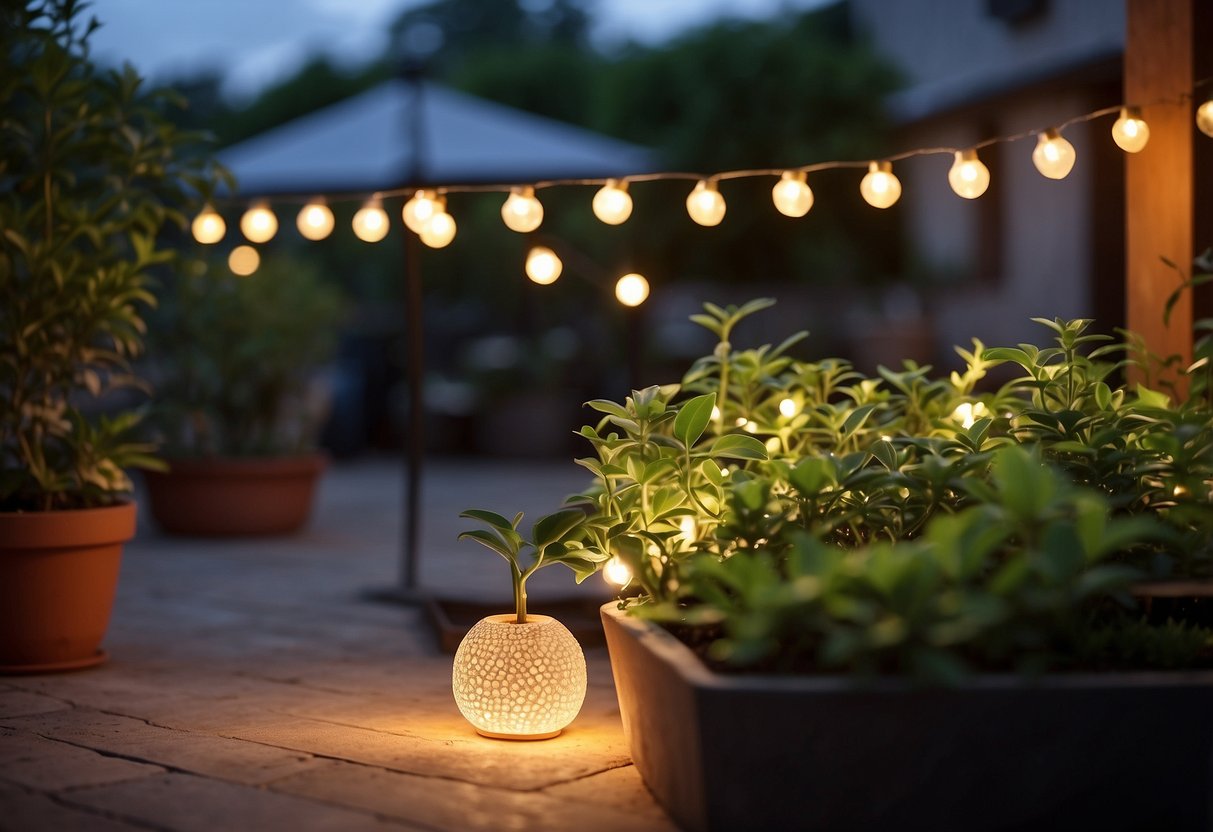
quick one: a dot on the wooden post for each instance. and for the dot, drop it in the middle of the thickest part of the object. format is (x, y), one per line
(1160, 205)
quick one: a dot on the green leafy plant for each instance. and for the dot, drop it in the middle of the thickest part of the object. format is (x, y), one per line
(555, 538)
(91, 173)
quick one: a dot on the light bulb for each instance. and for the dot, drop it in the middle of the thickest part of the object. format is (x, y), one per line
(688, 528)
(705, 204)
(315, 221)
(792, 195)
(440, 230)
(967, 413)
(543, 266)
(968, 177)
(617, 573)
(243, 260)
(880, 188)
(1053, 156)
(788, 408)
(420, 208)
(208, 226)
(371, 223)
(1204, 117)
(632, 289)
(259, 224)
(522, 212)
(1130, 132)
(612, 204)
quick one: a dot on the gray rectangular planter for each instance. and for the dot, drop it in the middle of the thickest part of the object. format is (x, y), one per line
(1076, 752)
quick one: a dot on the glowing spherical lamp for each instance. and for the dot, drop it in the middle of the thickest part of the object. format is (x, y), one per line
(612, 204)
(1130, 132)
(208, 227)
(1053, 156)
(440, 230)
(371, 223)
(631, 289)
(968, 177)
(259, 225)
(315, 220)
(616, 573)
(705, 204)
(519, 681)
(243, 261)
(422, 206)
(1204, 117)
(792, 195)
(522, 212)
(543, 265)
(879, 187)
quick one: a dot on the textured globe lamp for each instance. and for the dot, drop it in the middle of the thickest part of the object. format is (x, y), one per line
(519, 681)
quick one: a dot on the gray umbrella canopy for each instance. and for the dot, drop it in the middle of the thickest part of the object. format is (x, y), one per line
(369, 142)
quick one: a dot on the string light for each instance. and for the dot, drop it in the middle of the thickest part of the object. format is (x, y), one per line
(788, 408)
(371, 223)
(968, 177)
(418, 211)
(208, 227)
(617, 573)
(613, 204)
(1053, 156)
(259, 225)
(1130, 131)
(440, 230)
(243, 261)
(543, 266)
(879, 187)
(632, 289)
(705, 204)
(522, 212)
(792, 195)
(1204, 117)
(315, 220)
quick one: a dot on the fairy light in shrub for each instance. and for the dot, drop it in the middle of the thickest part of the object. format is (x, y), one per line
(750, 426)
(879, 187)
(1053, 156)
(315, 220)
(371, 223)
(208, 227)
(967, 413)
(632, 289)
(1204, 117)
(543, 265)
(715, 413)
(688, 528)
(1130, 131)
(243, 261)
(419, 210)
(613, 204)
(522, 212)
(259, 225)
(788, 408)
(705, 204)
(792, 195)
(616, 573)
(968, 177)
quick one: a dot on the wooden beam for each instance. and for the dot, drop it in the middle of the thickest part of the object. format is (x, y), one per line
(1160, 213)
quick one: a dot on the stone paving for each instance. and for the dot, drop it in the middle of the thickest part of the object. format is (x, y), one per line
(252, 686)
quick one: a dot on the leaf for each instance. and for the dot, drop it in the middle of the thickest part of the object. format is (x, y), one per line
(693, 418)
(552, 527)
(490, 518)
(491, 541)
(738, 446)
(609, 407)
(885, 452)
(811, 475)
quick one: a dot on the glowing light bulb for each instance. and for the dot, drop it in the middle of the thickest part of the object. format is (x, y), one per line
(617, 573)
(792, 195)
(750, 426)
(420, 208)
(612, 204)
(705, 204)
(1204, 117)
(243, 260)
(968, 177)
(632, 289)
(688, 528)
(788, 408)
(522, 212)
(543, 266)
(315, 221)
(715, 413)
(440, 230)
(880, 188)
(1053, 155)
(371, 223)
(259, 225)
(1130, 132)
(208, 227)
(968, 413)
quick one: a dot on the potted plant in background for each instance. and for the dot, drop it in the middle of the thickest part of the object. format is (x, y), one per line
(897, 602)
(92, 173)
(240, 397)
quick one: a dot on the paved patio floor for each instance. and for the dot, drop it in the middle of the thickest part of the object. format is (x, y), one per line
(251, 686)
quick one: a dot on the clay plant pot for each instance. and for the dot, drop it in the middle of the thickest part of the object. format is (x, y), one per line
(234, 497)
(58, 575)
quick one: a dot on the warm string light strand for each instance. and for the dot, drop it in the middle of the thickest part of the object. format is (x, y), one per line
(425, 212)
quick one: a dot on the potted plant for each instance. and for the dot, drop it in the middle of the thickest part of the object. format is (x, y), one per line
(239, 398)
(522, 676)
(888, 594)
(92, 173)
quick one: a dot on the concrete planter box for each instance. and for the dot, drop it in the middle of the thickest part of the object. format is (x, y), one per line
(1106, 751)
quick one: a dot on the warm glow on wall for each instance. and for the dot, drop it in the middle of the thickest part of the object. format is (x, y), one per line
(315, 221)
(612, 204)
(519, 681)
(259, 225)
(879, 187)
(371, 222)
(543, 266)
(522, 212)
(968, 177)
(243, 261)
(632, 289)
(705, 204)
(1130, 132)
(1053, 156)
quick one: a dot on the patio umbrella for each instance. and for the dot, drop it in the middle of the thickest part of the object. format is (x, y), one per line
(411, 133)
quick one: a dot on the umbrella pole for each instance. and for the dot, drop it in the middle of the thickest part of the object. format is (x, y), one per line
(415, 441)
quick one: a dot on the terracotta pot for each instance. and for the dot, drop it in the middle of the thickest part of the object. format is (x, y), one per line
(220, 496)
(1107, 751)
(58, 574)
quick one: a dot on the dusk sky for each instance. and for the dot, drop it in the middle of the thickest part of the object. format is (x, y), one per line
(255, 42)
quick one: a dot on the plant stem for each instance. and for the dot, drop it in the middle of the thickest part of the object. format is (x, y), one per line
(519, 594)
